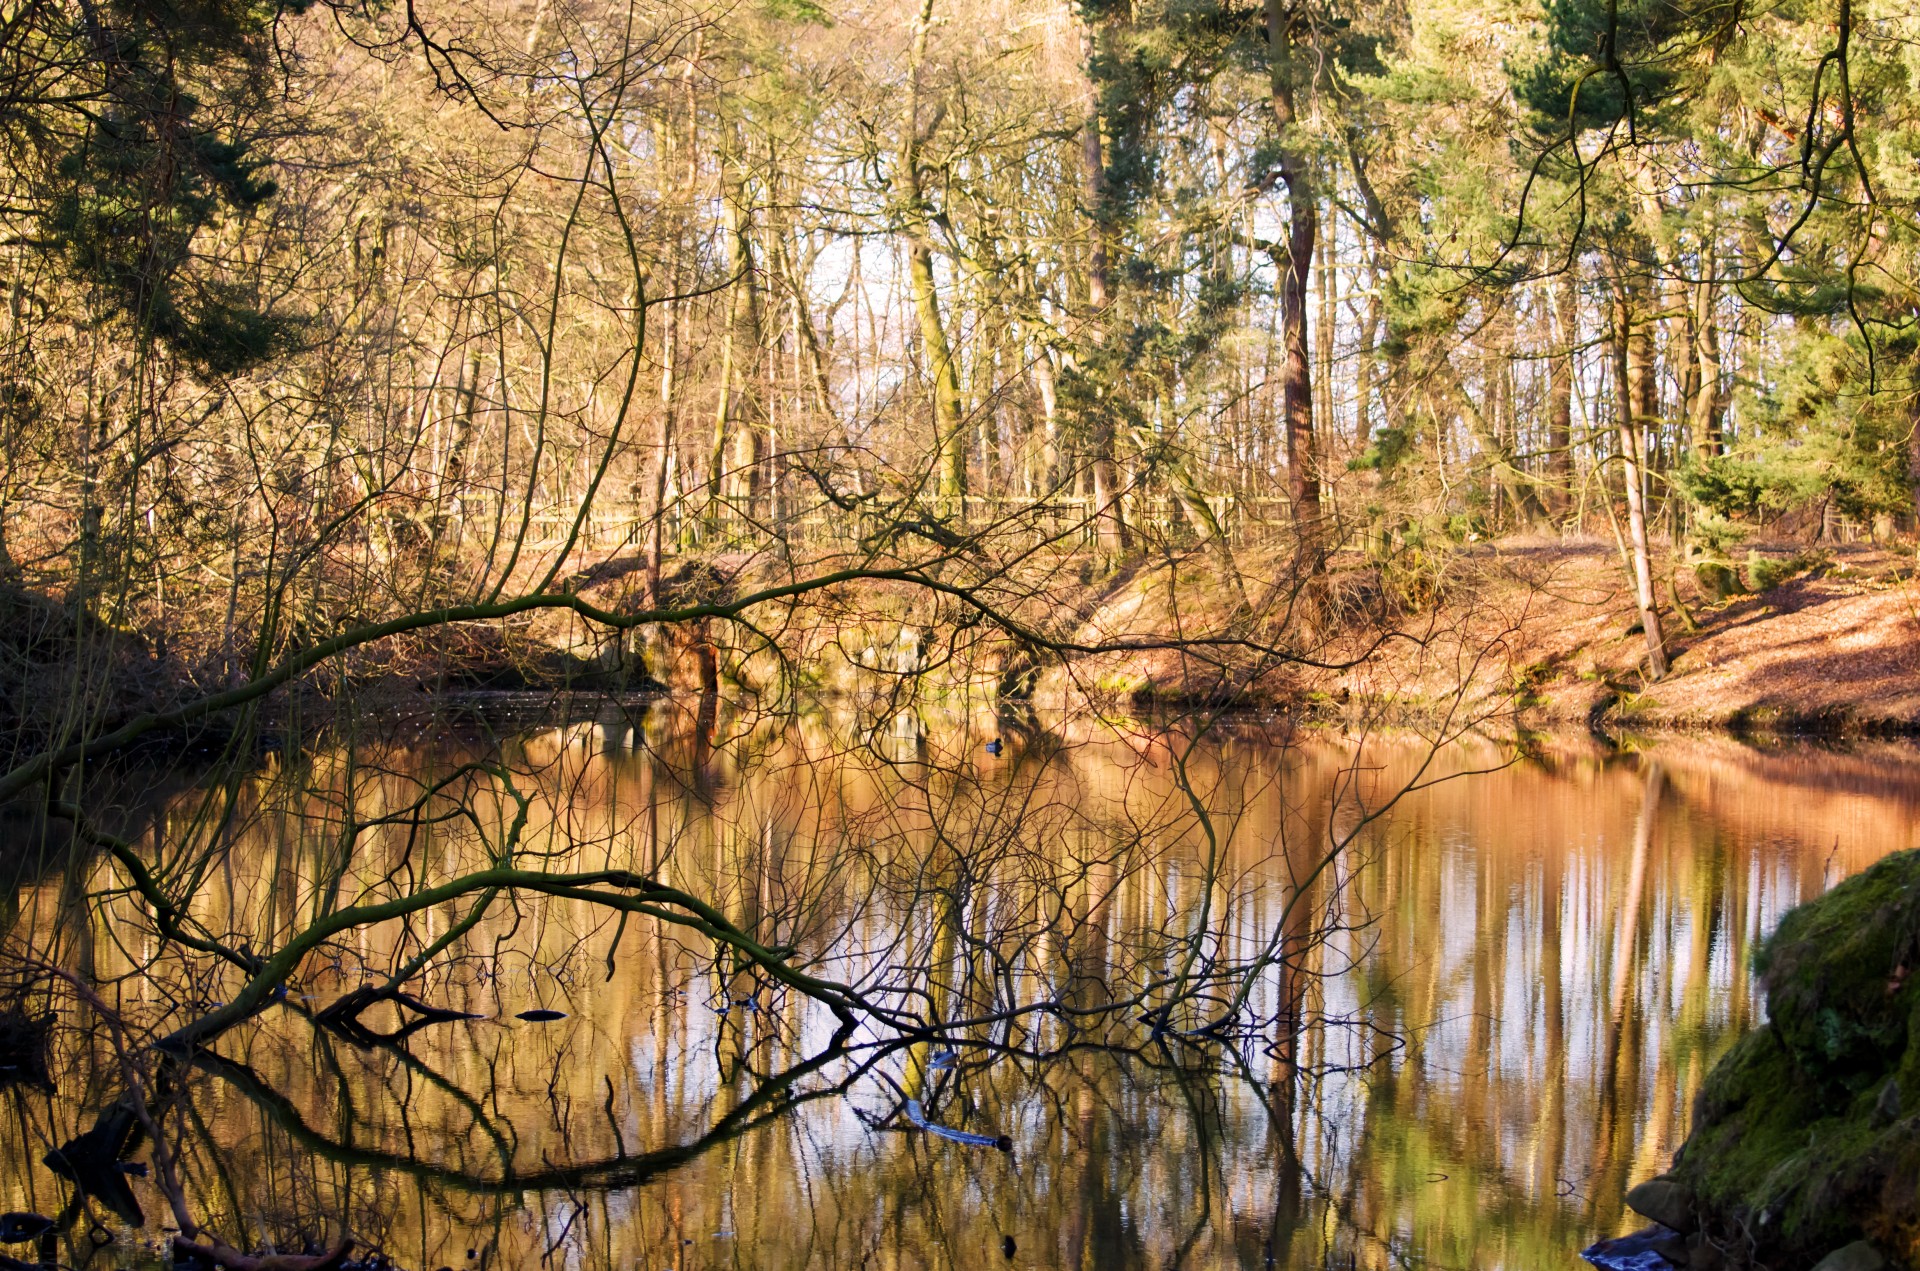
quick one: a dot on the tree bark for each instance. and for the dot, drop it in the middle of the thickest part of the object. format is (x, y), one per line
(1513, 487)
(1048, 459)
(665, 442)
(1631, 376)
(1913, 445)
(1327, 285)
(1303, 225)
(1364, 370)
(949, 440)
(1110, 520)
(1704, 408)
(738, 345)
(1560, 372)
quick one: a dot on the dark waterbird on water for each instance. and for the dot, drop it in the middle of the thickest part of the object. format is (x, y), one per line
(18, 1228)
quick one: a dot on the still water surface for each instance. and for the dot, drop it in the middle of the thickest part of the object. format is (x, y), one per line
(1517, 977)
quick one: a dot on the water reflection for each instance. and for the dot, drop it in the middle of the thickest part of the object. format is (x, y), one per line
(1491, 1012)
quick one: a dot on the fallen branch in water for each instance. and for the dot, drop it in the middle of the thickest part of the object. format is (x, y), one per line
(343, 1017)
(918, 1115)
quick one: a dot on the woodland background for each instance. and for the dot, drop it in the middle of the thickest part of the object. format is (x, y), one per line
(321, 315)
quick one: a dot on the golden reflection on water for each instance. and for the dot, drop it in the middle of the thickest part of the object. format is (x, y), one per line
(1525, 975)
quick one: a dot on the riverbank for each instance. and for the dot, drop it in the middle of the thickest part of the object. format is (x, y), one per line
(1544, 633)
(1830, 648)
(1529, 634)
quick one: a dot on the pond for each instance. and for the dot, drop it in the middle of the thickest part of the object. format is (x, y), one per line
(1100, 994)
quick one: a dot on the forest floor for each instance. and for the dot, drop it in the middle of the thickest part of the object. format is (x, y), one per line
(1835, 647)
(1544, 632)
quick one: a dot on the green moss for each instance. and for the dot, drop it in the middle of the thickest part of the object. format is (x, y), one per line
(1717, 579)
(1766, 1152)
(1798, 1146)
(1121, 683)
(1837, 972)
(1631, 701)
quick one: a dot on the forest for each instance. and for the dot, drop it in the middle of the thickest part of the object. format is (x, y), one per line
(958, 632)
(327, 316)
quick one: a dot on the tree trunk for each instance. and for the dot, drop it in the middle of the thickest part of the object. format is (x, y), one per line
(1631, 374)
(949, 445)
(1303, 225)
(1514, 487)
(1913, 449)
(1560, 372)
(1364, 370)
(1644, 386)
(1049, 457)
(1110, 520)
(741, 337)
(949, 440)
(663, 450)
(1296, 385)
(1327, 286)
(1703, 410)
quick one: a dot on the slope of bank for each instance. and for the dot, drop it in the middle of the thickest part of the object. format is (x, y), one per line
(1545, 632)
(1831, 647)
(1518, 633)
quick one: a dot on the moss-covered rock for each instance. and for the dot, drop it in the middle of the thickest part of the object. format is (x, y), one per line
(1838, 975)
(1798, 1145)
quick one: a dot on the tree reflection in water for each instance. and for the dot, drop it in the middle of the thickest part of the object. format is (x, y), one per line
(1230, 1002)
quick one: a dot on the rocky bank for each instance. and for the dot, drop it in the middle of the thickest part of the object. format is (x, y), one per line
(1805, 1146)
